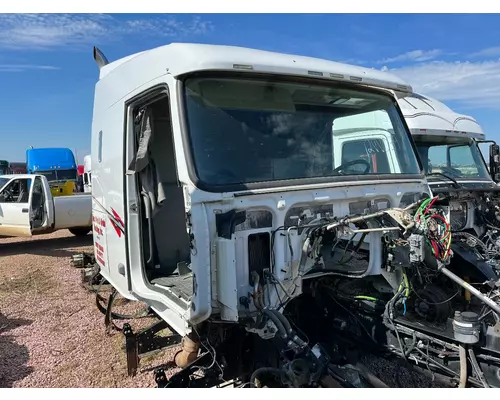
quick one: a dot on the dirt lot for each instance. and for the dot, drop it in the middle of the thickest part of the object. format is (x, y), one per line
(51, 333)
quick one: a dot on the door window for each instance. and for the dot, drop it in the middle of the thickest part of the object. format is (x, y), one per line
(17, 191)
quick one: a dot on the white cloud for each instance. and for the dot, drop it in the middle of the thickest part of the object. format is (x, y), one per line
(25, 67)
(45, 31)
(353, 61)
(488, 52)
(474, 84)
(415, 55)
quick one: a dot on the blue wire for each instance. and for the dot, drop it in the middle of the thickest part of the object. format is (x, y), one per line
(404, 306)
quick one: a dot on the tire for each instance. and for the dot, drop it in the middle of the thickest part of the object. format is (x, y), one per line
(80, 231)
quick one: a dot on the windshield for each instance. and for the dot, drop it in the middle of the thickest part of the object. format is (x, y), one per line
(59, 175)
(3, 181)
(458, 158)
(251, 130)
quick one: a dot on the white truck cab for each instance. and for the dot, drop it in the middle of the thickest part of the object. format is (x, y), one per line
(242, 193)
(447, 142)
(448, 146)
(224, 151)
(369, 137)
(28, 208)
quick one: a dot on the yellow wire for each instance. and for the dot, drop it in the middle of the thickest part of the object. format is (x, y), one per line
(407, 285)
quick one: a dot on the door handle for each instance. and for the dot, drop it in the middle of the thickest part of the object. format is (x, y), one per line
(24, 210)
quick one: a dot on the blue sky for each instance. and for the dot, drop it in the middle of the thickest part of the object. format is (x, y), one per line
(47, 73)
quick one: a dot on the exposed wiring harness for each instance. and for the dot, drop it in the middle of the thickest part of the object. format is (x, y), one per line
(436, 228)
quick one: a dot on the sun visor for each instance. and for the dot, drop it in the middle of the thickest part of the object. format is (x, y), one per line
(241, 95)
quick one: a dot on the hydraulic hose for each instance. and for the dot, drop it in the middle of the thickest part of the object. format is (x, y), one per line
(272, 316)
(109, 315)
(284, 321)
(463, 366)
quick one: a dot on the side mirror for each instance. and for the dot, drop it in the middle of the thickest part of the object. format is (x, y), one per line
(495, 162)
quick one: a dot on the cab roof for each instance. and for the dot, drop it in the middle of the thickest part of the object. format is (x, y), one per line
(427, 116)
(183, 58)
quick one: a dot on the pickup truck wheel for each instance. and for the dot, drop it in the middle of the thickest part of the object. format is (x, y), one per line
(80, 231)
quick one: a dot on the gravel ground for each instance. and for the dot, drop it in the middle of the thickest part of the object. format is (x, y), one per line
(396, 375)
(51, 333)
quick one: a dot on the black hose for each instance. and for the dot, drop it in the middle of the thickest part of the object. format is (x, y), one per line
(277, 322)
(284, 321)
(100, 300)
(262, 371)
(108, 317)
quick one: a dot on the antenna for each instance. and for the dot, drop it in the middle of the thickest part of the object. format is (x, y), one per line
(100, 58)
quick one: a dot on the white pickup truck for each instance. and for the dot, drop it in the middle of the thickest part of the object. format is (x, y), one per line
(27, 208)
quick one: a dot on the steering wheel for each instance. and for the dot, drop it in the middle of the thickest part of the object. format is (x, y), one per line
(353, 162)
(7, 195)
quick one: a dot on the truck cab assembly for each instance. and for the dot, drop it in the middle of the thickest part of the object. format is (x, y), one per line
(272, 212)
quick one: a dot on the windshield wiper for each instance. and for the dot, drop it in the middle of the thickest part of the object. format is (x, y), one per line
(456, 184)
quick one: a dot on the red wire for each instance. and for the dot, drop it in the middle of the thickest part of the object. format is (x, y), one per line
(430, 204)
(448, 231)
(442, 219)
(436, 250)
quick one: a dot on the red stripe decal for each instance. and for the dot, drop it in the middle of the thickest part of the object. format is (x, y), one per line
(118, 229)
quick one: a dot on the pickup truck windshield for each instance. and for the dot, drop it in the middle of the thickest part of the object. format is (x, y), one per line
(458, 158)
(251, 130)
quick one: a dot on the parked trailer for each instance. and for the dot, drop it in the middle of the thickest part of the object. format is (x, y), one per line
(18, 168)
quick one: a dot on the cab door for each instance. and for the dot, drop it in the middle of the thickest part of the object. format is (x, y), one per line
(41, 206)
(15, 208)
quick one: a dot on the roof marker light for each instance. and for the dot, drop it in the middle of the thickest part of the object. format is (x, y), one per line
(355, 79)
(338, 76)
(315, 73)
(242, 66)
